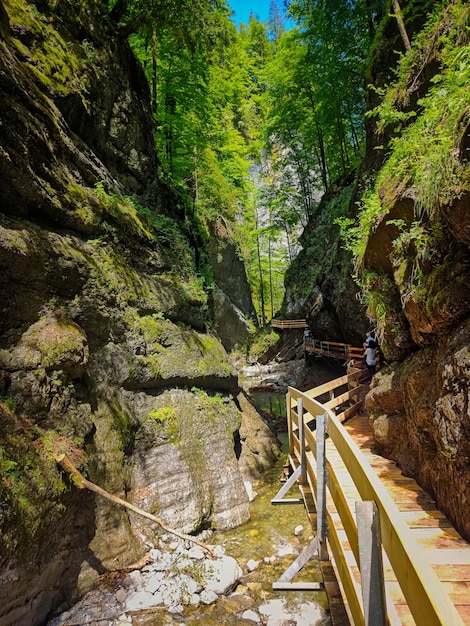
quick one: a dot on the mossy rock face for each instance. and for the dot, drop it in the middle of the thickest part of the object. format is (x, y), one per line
(53, 343)
(319, 282)
(104, 313)
(166, 354)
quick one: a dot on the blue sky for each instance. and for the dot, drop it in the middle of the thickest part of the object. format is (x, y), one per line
(243, 8)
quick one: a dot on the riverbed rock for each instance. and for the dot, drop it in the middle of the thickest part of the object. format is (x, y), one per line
(222, 575)
(259, 447)
(252, 565)
(141, 600)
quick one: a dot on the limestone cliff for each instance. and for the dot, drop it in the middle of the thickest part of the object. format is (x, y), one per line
(413, 236)
(234, 312)
(319, 283)
(104, 353)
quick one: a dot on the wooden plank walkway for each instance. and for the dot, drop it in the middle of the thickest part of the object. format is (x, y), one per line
(444, 549)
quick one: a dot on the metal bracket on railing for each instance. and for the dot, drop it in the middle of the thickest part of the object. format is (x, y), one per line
(322, 424)
(284, 582)
(279, 497)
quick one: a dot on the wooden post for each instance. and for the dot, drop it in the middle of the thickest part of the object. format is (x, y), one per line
(303, 456)
(289, 423)
(371, 565)
(322, 421)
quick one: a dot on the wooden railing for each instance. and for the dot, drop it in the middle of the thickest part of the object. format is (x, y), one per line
(333, 349)
(315, 455)
(288, 324)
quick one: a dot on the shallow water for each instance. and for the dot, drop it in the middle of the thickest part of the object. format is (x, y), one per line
(269, 533)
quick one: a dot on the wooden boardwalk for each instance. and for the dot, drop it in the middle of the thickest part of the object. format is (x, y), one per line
(443, 548)
(345, 484)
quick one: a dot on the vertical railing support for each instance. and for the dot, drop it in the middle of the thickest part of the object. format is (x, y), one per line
(303, 456)
(289, 423)
(322, 424)
(371, 565)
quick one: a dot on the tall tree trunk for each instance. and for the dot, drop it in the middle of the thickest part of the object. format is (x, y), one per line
(401, 25)
(344, 157)
(321, 145)
(154, 71)
(260, 271)
(271, 290)
(353, 132)
(289, 247)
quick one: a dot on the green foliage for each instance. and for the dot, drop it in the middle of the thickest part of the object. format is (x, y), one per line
(424, 155)
(162, 415)
(425, 152)
(56, 64)
(145, 223)
(31, 484)
(261, 342)
(168, 418)
(8, 401)
(355, 232)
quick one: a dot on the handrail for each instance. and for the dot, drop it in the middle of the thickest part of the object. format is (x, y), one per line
(427, 600)
(275, 323)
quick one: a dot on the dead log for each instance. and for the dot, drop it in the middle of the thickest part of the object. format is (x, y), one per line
(83, 483)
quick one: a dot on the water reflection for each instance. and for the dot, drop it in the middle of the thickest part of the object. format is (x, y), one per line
(268, 538)
(272, 402)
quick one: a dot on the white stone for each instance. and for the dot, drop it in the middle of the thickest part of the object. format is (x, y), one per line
(218, 550)
(252, 565)
(136, 578)
(65, 616)
(121, 595)
(188, 584)
(152, 583)
(196, 553)
(221, 575)
(251, 616)
(155, 554)
(298, 530)
(285, 550)
(249, 490)
(195, 599)
(141, 600)
(208, 597)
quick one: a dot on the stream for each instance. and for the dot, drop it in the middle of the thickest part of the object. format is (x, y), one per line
(269, 538)
(264, 547)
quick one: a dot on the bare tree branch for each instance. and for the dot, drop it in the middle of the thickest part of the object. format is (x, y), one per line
(82, 483)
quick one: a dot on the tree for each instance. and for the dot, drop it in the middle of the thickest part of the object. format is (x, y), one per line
(276, 21)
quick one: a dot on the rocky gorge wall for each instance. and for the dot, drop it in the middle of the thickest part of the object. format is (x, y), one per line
(104, 353)
(409, 235)
(408, 210)
(416, 264)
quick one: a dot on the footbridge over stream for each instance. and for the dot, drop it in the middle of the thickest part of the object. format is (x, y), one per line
(397, 560)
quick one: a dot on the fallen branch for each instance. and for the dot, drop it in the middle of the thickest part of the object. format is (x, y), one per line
(83, 483)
